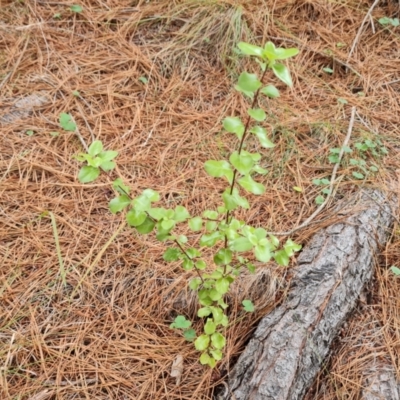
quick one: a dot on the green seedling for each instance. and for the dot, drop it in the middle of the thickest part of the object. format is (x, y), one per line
(231, 241)
(389, 21)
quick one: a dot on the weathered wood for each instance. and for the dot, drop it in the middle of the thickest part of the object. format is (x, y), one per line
(290, 344)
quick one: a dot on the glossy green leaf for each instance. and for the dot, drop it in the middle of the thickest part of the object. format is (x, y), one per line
(108, 155)
(241, 244)
(119, 203)
(222, 285)
(218, 341)
(248, 83)
(282, 53)
(262, 253)
(146, 227)
(282, 72)
(195, 224)
(172, 254)
(270, 91)
(234, 125)
(210, 214)
(223, 257)
(181, 214)
(151, 194)
(250, 49)
(282, 258)
(214, 294)
(204, 359)
(257, 113)
(209, 326)
(204, 312)
(242, 162)
(180, 322)
(209, 240)
(261, 134)
(157, 213)
(211, 226)
(219, 169)
(187, 264)
(269, 51)
(107, 165)
(88, 174)
(232, 201)
(120, 187)
(135, 217)
(167, 224)
(251, 186)
(95, 148)
(248, 305)
(195, 283)
(201, 265)
(202, 342)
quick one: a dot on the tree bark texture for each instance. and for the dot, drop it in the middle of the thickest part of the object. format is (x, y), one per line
(381, 384)
(290, 344)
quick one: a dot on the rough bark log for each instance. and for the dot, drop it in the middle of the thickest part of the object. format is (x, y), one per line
(380, 384)
(291, 343)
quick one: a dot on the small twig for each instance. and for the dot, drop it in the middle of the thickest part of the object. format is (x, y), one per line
(356, 39)
(332, 181)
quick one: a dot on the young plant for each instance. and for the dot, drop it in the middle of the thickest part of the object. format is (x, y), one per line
(226, 236)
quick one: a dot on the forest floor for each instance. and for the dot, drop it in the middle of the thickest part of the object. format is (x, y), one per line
(153, 80)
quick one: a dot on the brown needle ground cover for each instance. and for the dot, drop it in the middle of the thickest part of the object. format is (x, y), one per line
(105, 335)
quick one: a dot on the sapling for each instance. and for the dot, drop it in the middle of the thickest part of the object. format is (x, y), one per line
(231, 240)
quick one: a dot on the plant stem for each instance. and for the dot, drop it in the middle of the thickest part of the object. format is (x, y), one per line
(187, 255)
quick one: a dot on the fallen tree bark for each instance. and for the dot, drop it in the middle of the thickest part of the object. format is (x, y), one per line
(290, 344)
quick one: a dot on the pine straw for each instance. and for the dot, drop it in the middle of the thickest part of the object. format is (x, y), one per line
(105, 335)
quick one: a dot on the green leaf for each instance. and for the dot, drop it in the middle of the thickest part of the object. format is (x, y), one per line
(107, 165)
(189, 335)
(250, 49)
(142, 203)
(282, 72)
(76, 8)
(270, 91)
(257, 113)
(374, 168)
(146, 227)
(204, 359)
(167, 224)
(187, 264)
(29, 133)
(218, 340)
(251, 267)
(222, 285)
(210, 214)
(291, 247)
(143, 79)
(88, 174)
(180, 322)
(282, 258)
(95, 148)
(251, 186)
(209, 327)
(195, 224)
(201, 265)
(181, 214)
(202, 342)
(233, 200)
(269, 52)
(119, 203)
(120, 187)
(195, 283)
(259, 170)
(209, 240)
(319, 199)
(76, 93)
(358, 175)
(107, 155)
(157, 213)
(282, 54)
(172, 254)
(262, 253)
(135, 217)
(241, 244)
(395, 270)
(248, 83)
(234, 125)
(328, 70)
(67, 123)
(261, 134)
(204, 312)
(218, 169)
(248, 305)
(242, 162)
(151, 194)
(223, 257)
(211, 226)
